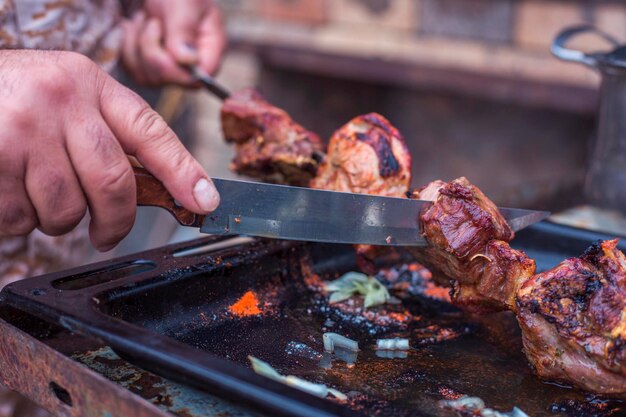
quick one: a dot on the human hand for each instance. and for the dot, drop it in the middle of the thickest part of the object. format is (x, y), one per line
(167, 35)
(67, 128)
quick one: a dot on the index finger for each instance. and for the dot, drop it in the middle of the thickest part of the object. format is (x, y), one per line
(211, 41)
(145, 135)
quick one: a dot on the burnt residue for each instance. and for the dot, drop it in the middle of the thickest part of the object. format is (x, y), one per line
(593, 252)
(381, 123)
(178, 400)
(140, 382)
(590, 406)
(452, 354)
(388, 165)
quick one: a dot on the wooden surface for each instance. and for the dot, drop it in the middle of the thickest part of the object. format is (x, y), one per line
(403, 73)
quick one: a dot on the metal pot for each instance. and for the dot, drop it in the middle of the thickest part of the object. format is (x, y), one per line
(605, 183)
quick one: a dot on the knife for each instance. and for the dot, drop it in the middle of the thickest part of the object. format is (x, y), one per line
(296, 213)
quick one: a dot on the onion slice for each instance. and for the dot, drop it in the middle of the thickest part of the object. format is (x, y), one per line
(476, 406)
(319, 390)
(333, 340)
(392, 344)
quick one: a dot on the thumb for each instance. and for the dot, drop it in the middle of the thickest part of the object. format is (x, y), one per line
(182, 24)
(145, 135)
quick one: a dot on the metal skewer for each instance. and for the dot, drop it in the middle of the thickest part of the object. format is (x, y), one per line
(210, 83)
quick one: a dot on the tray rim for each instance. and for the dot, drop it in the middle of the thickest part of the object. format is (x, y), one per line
(225, 378)
(212, 373)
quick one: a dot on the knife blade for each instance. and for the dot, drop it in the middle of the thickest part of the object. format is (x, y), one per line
(296, 213)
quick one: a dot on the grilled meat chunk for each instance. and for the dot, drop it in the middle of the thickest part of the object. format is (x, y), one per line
(367, 156)
(499, 272)
(463, 220)
(573, 321)
(429, 192)
(468, 246)
(270, 146)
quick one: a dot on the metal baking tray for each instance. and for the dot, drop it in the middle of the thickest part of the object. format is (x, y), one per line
(170, 311)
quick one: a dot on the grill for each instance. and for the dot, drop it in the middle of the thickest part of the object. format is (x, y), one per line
(173, 311)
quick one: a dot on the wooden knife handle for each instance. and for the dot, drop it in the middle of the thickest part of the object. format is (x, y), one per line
(151, 192)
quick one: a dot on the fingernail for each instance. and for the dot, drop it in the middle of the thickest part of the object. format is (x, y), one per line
(190, 48)
(105, 248)
(206, 195)
(189, 51)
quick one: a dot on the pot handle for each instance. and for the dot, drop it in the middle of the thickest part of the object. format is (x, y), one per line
(560, 49)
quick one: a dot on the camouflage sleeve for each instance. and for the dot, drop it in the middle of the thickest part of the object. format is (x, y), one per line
(86, 26)
(9, 34)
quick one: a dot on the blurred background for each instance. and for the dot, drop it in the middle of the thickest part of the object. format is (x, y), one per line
(470, 83)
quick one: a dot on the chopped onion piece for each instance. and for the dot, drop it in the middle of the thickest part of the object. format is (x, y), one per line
(319, 390)
(265, 369)
(392, 354)
(340, 395)
(477, 407)
(392, 344)
(518, 413)
(332, 340)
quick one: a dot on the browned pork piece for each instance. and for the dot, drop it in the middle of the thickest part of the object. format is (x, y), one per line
(270, 146)
(367, 155)
(468, 247)
(497, 275)
(573, 321)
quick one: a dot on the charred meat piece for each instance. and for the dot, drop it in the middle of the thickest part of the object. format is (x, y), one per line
(499, 272)
(468, 246)
(467, 249)
(463, 220)
(366, 156)
(270, 146)
(429, 192)
(573, 321)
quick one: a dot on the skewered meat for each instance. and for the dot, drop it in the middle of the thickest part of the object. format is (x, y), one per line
(462, 221)
(573, 321)
(269, 145)
(467, 239)
(573, 317)
(498, 272)
(367, 156)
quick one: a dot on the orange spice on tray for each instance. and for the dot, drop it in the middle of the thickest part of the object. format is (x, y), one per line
(247, 305)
